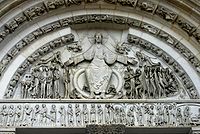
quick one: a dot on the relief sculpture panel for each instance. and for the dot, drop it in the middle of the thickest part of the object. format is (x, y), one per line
(80, 115)
(98, 67)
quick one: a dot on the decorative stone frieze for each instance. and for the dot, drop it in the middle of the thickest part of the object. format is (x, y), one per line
(99, 18)
(167, 38)
(3, 33)
(196, 35)
(83, 114)
(166, 58)
(131, 3)
(102, 80)
(34, 57)
(147, 5)
(35, 11)
(50, 5)
(166, 14)
(186, 26)
(27, 40)
(149, 28)
(53, 78)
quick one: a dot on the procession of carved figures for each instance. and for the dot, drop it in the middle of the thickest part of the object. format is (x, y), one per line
(75, 115)
(141, 77)
(44, 80)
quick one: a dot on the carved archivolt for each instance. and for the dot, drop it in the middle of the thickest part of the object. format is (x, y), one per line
(150, 7)
(143, 5)
(34, 57)
(166, 58)
(101, 72)
(105, 78)
(96, 18)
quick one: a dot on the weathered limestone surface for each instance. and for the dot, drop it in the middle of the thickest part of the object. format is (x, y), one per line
(108, 66)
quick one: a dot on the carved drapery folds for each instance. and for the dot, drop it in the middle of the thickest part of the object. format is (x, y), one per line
(89, 115)
(99, 18)
(30, 79)
(96, 73)
(44, 79)
(81, 80)
(166, 58)
(150, 81)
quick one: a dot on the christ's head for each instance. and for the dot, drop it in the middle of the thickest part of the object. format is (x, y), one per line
(98, 38)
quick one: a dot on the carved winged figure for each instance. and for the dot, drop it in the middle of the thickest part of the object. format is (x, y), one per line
(98, 73)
